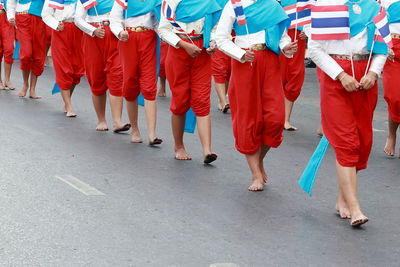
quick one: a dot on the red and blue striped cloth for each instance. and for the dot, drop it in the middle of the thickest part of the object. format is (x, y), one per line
(123, 3)
(239, 11)
(330, 22)
(169, 13)
(88, 4)
(56, 4)
(383, 31)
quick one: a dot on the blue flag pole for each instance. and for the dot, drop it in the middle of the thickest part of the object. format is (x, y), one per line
(307, 179)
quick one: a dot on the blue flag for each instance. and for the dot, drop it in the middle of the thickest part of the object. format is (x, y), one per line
(16, 51)
(56, 89)
(190, 122)
(307, 179)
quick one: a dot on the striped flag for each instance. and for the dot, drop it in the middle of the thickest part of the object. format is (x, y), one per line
(88, 4)
(239, 11)
(123, 3)
(169, 13)
(298, 18)
(304, 4)
(330, 22)
(57, 4)
(383, 31)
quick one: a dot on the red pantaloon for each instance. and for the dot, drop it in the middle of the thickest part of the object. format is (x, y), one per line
(347, 117)
(190, 81)
(293, 69)
(67, 56)
(221, 66)
(139, 64)
(31, 33)
(257, 103)
(163, 58)
(102, 63)
(391, 83)
(7, 38)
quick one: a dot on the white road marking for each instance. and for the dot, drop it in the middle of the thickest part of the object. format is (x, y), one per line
(82, 187)
(377, 130)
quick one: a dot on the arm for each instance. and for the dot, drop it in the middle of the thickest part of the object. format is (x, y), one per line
(48, 16)
(11, 5)
(284, 43)
(223, 34)
(116, 19)
(166, 33)
(377, 63)
(80, 22)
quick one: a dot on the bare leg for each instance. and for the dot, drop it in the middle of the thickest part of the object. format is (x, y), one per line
(221, 92)
(32, 89)
(347, 177)
(263, 152)
(7, 72)
(25, 76)
(254, 164)
(391, 139)
(178, 127)
(66, 95)
(161, 88)
(320, 131)
(151, 117)
(204, 129)
(116, 105)
(99, 103)
(288, 113)
(341, 206)
(1, 82)
(132, 107)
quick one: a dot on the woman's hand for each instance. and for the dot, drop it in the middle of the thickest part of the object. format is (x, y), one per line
(291, 48)
(348, 82)
(368, 80)
(191, 49)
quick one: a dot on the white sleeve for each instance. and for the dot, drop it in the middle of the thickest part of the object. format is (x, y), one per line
(166, 33)
(80, 22)
(323, 60)
(11, 5)
(48, 16)
(223, 34)
(285, 40)
(377, 63)
(116, 19)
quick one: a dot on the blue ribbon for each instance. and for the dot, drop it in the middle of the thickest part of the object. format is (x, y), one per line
(307, 179)
(190, 122)
(16, 50)
(56, 89)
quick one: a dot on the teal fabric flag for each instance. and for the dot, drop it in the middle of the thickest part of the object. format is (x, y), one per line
(16, 51)
(307, 179)
(56, 89)
(190, 122)
(141, 100)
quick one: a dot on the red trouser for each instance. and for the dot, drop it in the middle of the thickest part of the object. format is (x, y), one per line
(257, 103)
(67, 56)
(49, 32)
(31, 33)
(293, 69)
(164, 52)
(391, 83)
(347, 117)
(7, 37)
(190, 81)
(102, 63)
(139, 64)
(221, 66)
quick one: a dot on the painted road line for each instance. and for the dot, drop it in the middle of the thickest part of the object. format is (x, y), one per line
(82, 187)
(377, 130)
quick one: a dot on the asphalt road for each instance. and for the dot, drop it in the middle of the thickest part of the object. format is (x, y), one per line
(151, 210)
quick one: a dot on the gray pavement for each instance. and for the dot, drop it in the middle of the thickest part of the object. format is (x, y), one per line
(156, 211)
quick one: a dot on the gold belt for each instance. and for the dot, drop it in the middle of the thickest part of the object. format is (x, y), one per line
(356, 57)
(68, 20)
(22, 13)
(193, 38)
(101, 23)
(137, 29)
(2, 11)
(395, 36)
(259, 47)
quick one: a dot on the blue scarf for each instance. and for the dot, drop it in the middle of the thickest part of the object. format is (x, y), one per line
(394, 13)
(358, 23)
(23, 2)
(189, 11)
(268, 16)
(36, 7)
(138, 8)
(103, 7)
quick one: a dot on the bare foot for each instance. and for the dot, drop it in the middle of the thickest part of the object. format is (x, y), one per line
(320, 132)
(136, 138)
(70, 114)
(102, 126)
(220, 106)
(10, 86)
(390, 145)
(343, 210)
(34, 96)
(289, 127)
(257, 185)
(181, 154)
(161, 93)
(264, 173)
(2, 86)
(358, 219)
(23, 91)
(121, 127)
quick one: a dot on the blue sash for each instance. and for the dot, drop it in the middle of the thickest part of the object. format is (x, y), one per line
(68, 2)
(36, 7)
(138, 8)
(103, 7)
(268, 16)
(286, 3)
(358, 22)
(189, 11)
(394, 13)
(157, 11)
(23, 2)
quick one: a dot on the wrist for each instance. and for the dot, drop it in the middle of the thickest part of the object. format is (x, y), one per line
(341, 76)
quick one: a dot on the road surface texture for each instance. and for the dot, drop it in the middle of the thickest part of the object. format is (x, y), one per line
(71, 196)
